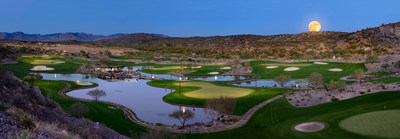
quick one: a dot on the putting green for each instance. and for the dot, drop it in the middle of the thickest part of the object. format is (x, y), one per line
(378, 123)
(42, 62)
(287, 64)
(209, 90)
(168, 68)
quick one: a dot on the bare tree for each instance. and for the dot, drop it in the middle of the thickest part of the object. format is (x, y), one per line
(282, 80)
(96, 94)
(219, 106)
(78, 109)
(315, 80)
(182, 115)
(358, 74)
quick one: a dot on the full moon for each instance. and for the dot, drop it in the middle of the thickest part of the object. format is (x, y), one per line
(314, 26)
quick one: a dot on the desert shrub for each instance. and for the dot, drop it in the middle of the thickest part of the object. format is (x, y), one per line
(334, 99)
(233, 120)
(51, 104)
(369, 90)
(362, 92)
(22, 119)
(78, 109)
(3, 107)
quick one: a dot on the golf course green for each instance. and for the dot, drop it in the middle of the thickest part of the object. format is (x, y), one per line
(209, 90)
(378, 123)
(305, 69)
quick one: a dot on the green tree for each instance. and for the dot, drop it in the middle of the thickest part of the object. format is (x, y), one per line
(30, 79)
(247, 65)
(108, 53)
(336, 85)
(358, 74)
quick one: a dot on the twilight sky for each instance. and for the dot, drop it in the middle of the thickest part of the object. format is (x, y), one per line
(184, 18)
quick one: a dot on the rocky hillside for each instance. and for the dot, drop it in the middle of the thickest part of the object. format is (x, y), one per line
(380, 40)
(24, 109)
(56, 36)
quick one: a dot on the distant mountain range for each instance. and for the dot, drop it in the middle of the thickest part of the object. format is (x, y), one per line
(64, 36)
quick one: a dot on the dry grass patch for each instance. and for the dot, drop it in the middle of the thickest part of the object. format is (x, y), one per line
(42, 62)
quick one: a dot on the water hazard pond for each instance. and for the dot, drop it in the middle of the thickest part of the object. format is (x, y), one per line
(146, 101)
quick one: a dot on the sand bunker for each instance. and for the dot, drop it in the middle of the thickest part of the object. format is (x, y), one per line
(271, 67)
(59, 62)
(213, 73)
(83, 83)
(335, 69)
(310, 127)
(320, 63)
(291, 69)
(41, 68)
(196, 67)
(226, 68)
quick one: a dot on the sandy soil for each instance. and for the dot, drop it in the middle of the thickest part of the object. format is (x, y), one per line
(213, 73)
(291, 69)
(41, 68)
(335, 69)
(271, 67)
(320, 63)
(309, 127)
(84, 83)
(226, 68)
(59, 62)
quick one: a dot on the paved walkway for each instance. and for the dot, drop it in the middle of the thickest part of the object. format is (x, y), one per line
(242, 121)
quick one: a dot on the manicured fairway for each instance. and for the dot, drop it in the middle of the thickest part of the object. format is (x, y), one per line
(378, 123)
(387, 80)
(381, 73)
(306, 68)
(22, 68)
(205, 70)
(208, 90)
(288, 64)
(275, 120)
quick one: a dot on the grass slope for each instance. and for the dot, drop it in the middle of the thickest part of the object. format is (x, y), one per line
(276, 119)
(306, 68)
(98, 111)
(204, 70)
(22, 68)
(378, 123)
(387, 80)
